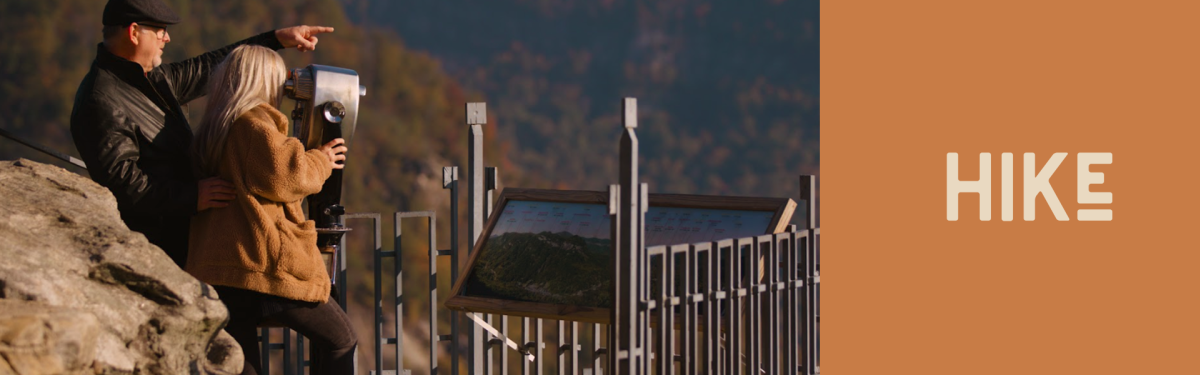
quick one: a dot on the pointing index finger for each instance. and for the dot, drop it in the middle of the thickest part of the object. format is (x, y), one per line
(319, 30)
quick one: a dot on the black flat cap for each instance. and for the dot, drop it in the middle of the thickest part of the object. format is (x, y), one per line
(124, 12)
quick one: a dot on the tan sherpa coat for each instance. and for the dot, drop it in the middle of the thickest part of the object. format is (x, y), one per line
(261, 241)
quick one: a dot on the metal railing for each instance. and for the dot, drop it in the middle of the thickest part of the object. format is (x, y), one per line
(723, 316)
(712, 311)
(737, 310)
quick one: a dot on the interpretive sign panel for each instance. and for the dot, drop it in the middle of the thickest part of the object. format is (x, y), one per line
(548, 253)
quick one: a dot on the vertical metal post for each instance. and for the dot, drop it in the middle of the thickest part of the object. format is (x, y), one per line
(810, 360)
(398, 303)
(757, 289)
(718, 307)
(490, 342)
(614, 204)
(575, 349)
(264, 348)
(808, 192)
(788, 317)
(672, 299)
(794, 302)
(434, 337)
(561, 349)
(597, 349)
(643, 276)
(340, 281)
(665, 351)
(287, 352)
(341, 289)
(690, 331)
(770, 341)
(503, 353)
(737, 291)
(377, 265)
(704, 273)
(816, 301)
(539, 346)
(780, 291)
(525, 344)
(476, 117)
(491, 181)
(450, 181)
(804, 247)
(625, 347)
(300, 362)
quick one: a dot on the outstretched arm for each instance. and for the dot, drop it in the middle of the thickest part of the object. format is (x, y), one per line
(189, 78)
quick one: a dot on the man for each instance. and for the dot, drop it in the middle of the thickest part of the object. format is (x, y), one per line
(129, 128)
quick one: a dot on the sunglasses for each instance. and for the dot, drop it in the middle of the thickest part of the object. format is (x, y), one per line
(159, 31)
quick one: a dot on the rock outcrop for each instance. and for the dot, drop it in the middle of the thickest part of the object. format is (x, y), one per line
(81, 293)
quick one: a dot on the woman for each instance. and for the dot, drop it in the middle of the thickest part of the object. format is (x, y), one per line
(260, 252)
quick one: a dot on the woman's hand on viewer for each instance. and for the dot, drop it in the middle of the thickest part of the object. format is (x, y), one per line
(335, 150)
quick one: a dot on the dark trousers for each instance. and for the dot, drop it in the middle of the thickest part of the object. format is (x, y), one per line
(169, 233)
(325, 325)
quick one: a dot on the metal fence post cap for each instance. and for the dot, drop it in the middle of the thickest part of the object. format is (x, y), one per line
(476, 113)
(449, 175)
(630, 109)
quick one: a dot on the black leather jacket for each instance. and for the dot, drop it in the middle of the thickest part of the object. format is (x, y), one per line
(131, 131)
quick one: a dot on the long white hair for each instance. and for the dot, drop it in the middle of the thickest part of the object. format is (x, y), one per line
(249, 76)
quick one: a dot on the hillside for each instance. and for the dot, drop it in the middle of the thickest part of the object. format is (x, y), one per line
(728, 91)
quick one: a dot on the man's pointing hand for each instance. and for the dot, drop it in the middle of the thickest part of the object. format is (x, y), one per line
(303, 37)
